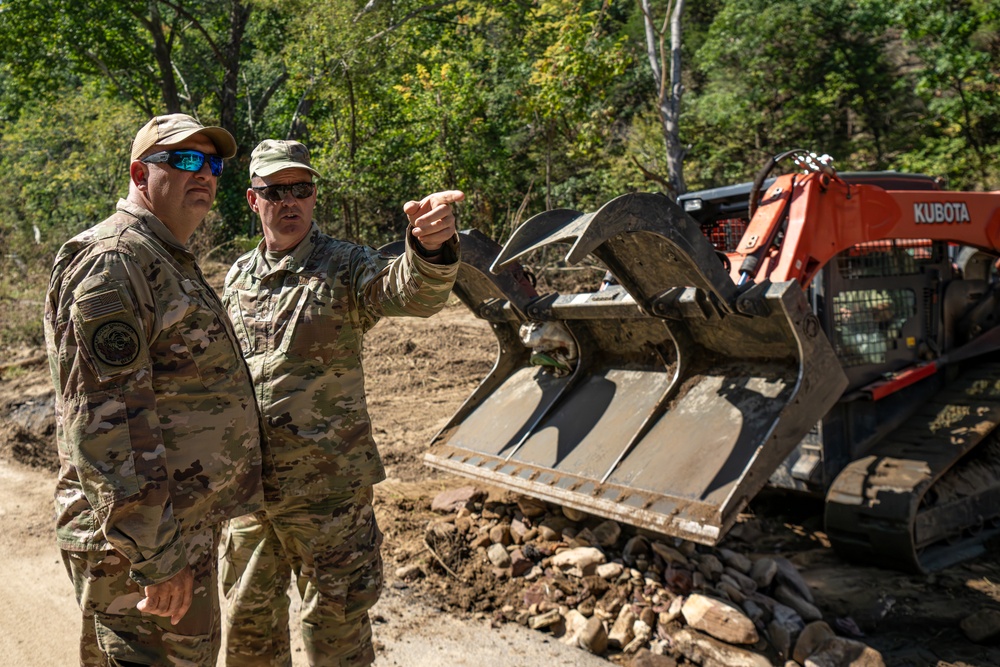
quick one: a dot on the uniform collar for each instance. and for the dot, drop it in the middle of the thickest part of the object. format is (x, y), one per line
(153, 223)
(294, 261)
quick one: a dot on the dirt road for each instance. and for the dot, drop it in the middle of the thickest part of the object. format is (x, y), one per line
(40, 619)
(419, 372)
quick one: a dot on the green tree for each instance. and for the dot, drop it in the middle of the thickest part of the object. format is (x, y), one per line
(957, 43)
(782, 74)
(667, 67)
(64, 167)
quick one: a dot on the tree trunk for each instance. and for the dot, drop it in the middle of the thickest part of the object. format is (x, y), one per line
(675, 152)
(238, 19)
(161, 51)
(669, 87)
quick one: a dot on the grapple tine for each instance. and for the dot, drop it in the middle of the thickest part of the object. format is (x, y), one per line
(556, 226)
(653, 247)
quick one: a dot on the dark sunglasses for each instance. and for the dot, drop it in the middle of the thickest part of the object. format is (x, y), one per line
(278, 192)
(187, 160)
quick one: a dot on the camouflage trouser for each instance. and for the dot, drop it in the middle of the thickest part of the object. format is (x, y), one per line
(116, 633)
(331, 545)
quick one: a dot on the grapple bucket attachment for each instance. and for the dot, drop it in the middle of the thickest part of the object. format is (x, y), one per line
(686, 394)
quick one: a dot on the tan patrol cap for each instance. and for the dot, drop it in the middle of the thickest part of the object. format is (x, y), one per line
(175, 128)
(273, 155)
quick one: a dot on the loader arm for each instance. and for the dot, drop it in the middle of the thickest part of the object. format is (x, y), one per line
(804, 220)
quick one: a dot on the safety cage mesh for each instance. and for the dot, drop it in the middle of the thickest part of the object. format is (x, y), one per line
(725, 234)
(868, 323)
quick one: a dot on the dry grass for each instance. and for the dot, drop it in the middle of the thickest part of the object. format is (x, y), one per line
(22, 299)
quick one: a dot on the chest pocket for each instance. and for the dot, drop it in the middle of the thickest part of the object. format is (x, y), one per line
(318, 322)
(236, 303)
(207, 339)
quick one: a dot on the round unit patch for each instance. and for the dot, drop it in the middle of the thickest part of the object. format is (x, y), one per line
(116, 343)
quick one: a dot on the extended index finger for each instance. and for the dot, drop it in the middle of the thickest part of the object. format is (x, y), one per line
(445, 197)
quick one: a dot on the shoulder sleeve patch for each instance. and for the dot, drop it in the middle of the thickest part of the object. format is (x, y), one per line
(96, 306)
(108, 332)
(116, 343)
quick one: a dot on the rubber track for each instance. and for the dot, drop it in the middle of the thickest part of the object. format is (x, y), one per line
(873, 508)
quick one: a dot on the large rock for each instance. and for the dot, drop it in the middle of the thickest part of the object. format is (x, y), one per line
(746, 584)
(531, 507)
(642, 631)
(546, 620)
(574, 514)
(637, 547)
(621, 632)
(673, 612)
(709, 652)
(594, 637)
(519, 565)
(788, 617)
(982, 626)
(763, 571)
(584, 538)
(789, 574)
(610, 571)
(498, 555)
(710, 566)
(680, 582)
(500, 534)
(781, 638)
(519, 531)
(455, 499)
(551, 528)
(607, 533)
(813, 636)
(786, 596)
(719, 619)
(646, 658)
(843, 652)
(579, 562)
(730, 590)
(575, 623)
(669, 555)
(736, 560)
(753, 610)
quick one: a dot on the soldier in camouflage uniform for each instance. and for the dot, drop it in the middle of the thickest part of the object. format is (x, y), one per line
(157, 427)
(301, 303)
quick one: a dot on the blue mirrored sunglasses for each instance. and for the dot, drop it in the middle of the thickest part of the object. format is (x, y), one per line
(187, 160)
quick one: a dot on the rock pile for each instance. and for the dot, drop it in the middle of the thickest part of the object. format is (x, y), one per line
(638, 600)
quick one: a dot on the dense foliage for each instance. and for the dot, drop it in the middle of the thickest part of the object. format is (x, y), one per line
(523, 104)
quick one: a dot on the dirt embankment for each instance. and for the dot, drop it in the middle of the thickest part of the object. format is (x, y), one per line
(419, 372)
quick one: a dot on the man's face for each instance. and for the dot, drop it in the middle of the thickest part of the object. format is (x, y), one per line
(287, 221)
(181, 199)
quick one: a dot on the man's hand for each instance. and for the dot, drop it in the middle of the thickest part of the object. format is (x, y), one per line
(432, 218)
(169, 598)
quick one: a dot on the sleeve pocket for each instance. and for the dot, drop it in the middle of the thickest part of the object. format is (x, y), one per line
(98, 425)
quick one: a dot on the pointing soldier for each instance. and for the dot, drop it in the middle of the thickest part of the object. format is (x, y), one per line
(158, 431)
(301, 303)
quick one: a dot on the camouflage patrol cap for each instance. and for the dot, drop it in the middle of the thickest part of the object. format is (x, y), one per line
(273, 155)
(175, 128)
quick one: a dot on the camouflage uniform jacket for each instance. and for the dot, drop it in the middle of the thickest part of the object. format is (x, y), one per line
(301, 325)
(156, 422)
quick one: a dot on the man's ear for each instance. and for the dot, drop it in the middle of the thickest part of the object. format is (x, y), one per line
(139, 173)
(252, 199)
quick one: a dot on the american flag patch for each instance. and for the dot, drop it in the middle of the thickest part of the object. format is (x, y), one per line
(100, 305)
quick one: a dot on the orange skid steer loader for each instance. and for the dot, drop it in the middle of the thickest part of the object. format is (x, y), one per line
(845, 345)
